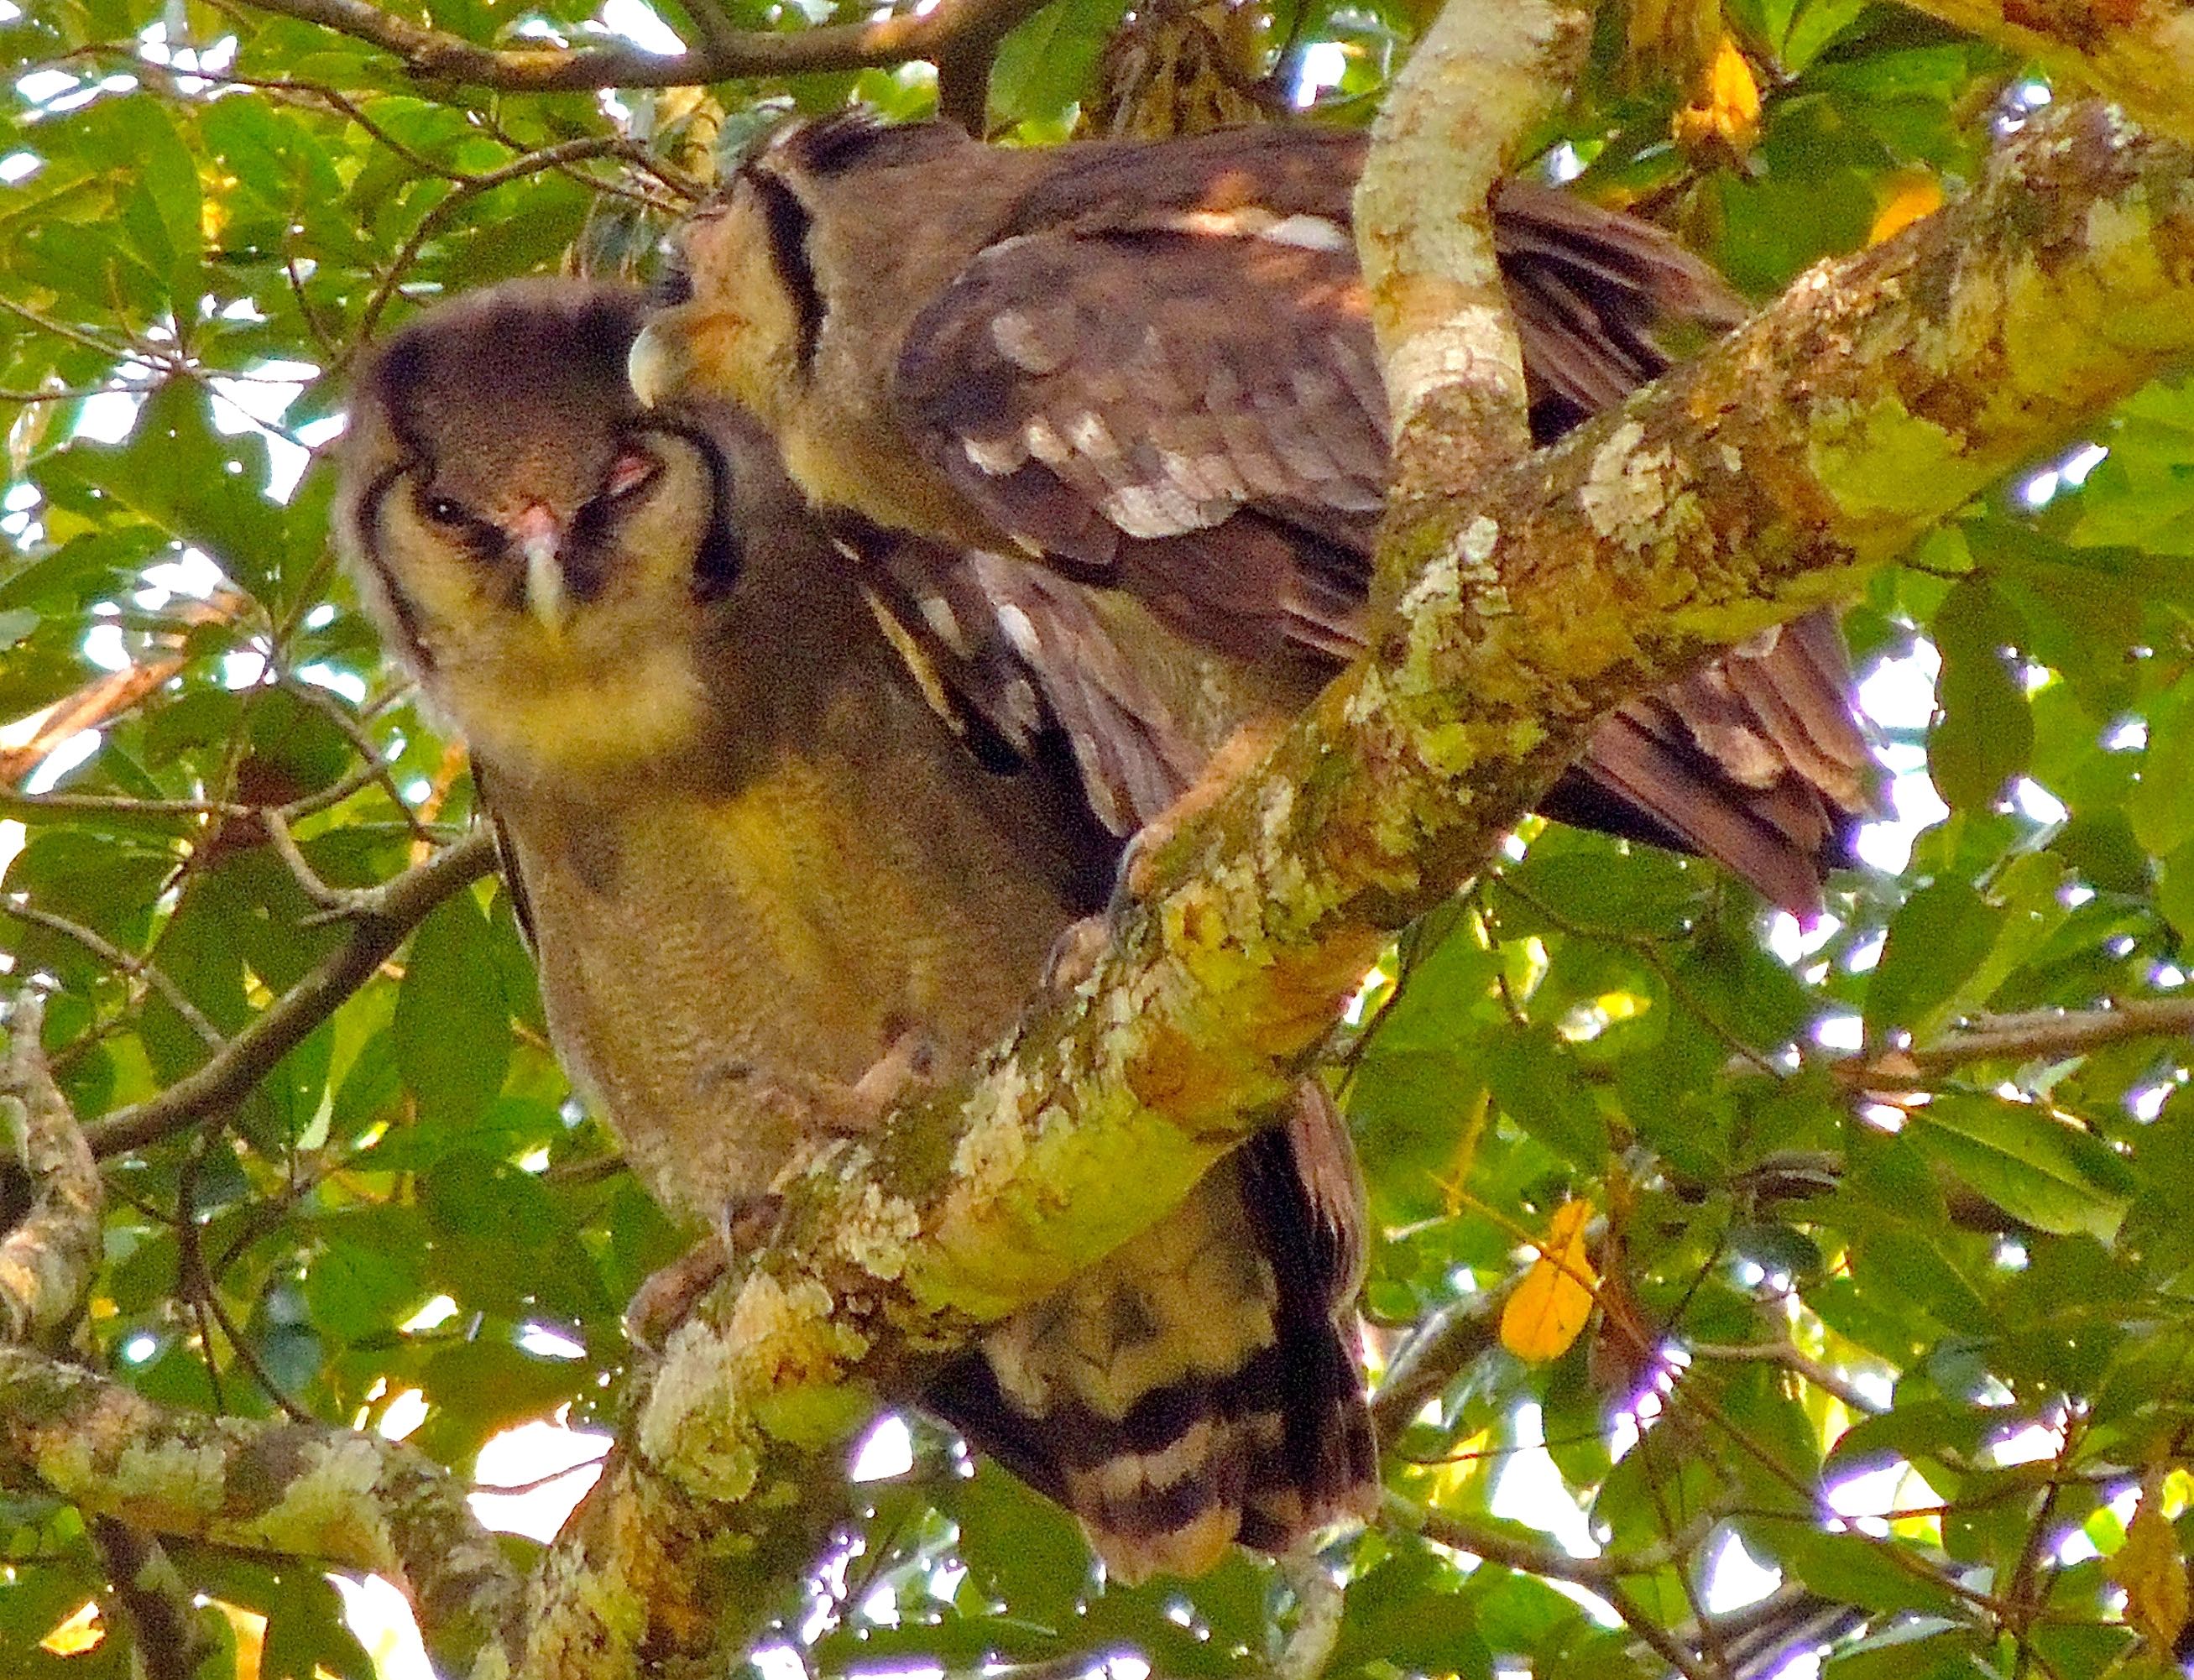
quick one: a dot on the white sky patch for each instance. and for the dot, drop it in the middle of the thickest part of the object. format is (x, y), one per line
(19, 166)
(1839, 1032)
(1324, 63)
(2030, 1445)
(103, 646)
(1793, 942)
(244, 668)
(888, 1451)
(2037, 802)
(777, 1662)
(347, 684)
(639, 24)
(192, 572)
(1529, 1489)
(1865, 1500)
(542, 1341)
(433, 1316)
(524, 1455)
(40, 85)
(1898, 693)
(377, 1613)
(108, 417)
(403, 1414)
(62, 759)
(2076, 467)
(1735, 1578)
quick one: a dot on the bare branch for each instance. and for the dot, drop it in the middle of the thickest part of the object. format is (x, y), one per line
(123, 962)
(165, 1630)
(2141, 56)
(382, 920)
(1484, 72)
(1798, 1363)
(2043, 1034)
(1508, 1548)
(436, 56)
(46, 1262)
(1435, 1356)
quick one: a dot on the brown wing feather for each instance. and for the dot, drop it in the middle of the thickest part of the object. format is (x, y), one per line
(1162, 377)
(1012, 656)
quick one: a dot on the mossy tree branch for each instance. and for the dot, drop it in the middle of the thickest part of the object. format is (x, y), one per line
(353, 1501)
(49, 1256)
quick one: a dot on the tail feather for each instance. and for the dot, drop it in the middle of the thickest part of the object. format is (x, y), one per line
(1195, 1389)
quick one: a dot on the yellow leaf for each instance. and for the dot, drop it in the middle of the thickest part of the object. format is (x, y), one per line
(1912, 194)
(2149, 1567)
(80, 1632)
(1724, 113)
(1552, 1303)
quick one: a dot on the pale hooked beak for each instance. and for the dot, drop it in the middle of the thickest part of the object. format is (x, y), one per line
(656, 365)
(539, 539)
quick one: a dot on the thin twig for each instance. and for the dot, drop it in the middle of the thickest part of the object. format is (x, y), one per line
(2041, 1035)
(115, 957)
(228, 1076)
(1797, 1363)
(437, 55)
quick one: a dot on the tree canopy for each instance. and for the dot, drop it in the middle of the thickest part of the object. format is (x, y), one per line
(1864, 1319)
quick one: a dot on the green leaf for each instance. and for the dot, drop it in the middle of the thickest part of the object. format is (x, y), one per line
(1854, 1569)
(2038, 1169)
(1985, 735)
(1936, 942)
(452, 1030)
(1044, 66)
(2161, 806)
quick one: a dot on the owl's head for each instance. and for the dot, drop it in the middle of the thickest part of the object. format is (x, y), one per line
(539, 550)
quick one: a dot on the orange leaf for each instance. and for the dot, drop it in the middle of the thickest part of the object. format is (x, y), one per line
(76, 1633)
(2149, 1567)
(1552, 1305)
(1725, 109)
(1911, 194)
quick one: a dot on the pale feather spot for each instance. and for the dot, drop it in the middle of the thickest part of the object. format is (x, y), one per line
(996, 456)
(1021, 631)
(1309, 232)
(1044, 442)
(1088, 433)
(1022, 343)
(937, 613)
(1121, 1478)
(1152, 510)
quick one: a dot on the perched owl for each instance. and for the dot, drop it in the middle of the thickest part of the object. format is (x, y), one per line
(769, 821)
(1151, 363)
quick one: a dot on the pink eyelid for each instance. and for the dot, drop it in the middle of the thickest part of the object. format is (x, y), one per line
(633, 469)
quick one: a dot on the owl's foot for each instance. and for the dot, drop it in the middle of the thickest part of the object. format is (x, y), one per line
(1237, 756)
(904, 1069)
(1074, 954)
(667, 1296)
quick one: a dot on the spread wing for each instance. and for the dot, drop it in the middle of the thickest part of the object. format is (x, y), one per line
(1162, 377)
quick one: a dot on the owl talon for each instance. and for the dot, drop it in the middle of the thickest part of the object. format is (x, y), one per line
(1074, 954)
(666, 1298)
